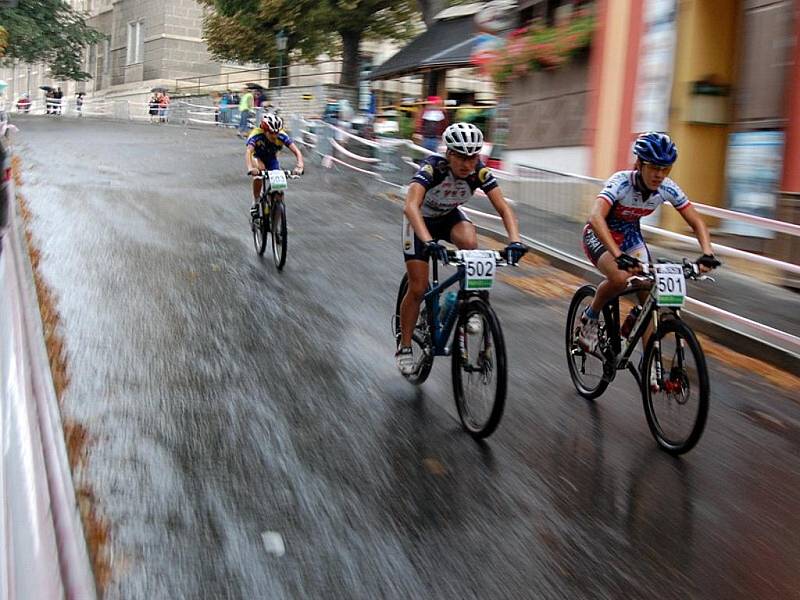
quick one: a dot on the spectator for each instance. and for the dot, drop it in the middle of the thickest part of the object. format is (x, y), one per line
(331, 114)
(24, 103)
(245, 112)
(432, 123)
(153, 107)
(79, 103)
(163, 108)
(224, 111)
(58, 97)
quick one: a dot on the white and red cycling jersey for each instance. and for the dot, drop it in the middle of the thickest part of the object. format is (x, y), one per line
(629, 205)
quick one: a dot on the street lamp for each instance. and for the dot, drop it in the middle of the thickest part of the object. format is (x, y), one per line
(280, 42)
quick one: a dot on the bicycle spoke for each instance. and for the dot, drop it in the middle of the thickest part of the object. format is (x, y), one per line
(676, 404)
(479, 370)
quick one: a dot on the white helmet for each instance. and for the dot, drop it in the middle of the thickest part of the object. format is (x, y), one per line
(271, 122)
(463, 138)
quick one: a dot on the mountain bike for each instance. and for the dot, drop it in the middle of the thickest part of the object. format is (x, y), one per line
(478, 350)
(271, 215)
(673, 368)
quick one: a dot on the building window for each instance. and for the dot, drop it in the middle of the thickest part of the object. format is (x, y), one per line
(135, 42)
(106, 56)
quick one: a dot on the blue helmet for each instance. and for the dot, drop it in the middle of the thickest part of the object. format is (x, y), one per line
(655, 147)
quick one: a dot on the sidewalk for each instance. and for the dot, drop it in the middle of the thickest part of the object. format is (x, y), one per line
(735, 292)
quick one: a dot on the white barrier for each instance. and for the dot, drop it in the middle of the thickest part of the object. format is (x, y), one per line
(43, 552)
(727, 250)
(346, 152)
(771, 224)
(784, 340)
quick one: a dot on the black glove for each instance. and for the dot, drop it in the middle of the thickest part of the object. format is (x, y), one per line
(626, 262)
(254, 172)
(436, 250)
(708, 261)
(515, 251)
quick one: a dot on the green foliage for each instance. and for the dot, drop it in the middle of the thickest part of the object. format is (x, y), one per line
(245, 30)
(50, 32)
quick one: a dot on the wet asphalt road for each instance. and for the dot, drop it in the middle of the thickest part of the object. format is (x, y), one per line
(225, 400)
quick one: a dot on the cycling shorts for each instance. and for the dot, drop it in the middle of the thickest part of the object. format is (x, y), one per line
(439, 228)
(594, 248)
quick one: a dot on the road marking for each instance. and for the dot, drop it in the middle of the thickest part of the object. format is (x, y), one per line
(273, 542)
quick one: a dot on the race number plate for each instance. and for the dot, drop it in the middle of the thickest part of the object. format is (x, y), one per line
(670, 285)
(479, 267)
(277, 180)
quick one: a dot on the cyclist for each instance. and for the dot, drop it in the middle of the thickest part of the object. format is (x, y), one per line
(442, 184)
(263, 145)
(612, 238)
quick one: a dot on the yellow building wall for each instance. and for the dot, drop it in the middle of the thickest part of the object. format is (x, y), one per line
(707, 44)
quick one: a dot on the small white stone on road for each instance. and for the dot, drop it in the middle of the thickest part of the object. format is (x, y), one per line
(273, 543)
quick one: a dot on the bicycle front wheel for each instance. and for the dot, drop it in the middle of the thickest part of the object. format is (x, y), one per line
(278, 217)
(676, 405)
(479, 368)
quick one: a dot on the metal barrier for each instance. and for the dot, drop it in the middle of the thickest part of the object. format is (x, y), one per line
(568, 198)
(43, 551)
(561, 203)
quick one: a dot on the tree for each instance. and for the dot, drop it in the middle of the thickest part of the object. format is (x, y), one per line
(49, 32)
(245, 30)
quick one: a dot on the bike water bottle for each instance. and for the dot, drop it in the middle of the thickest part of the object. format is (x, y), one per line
(625, 330)
(447, 305)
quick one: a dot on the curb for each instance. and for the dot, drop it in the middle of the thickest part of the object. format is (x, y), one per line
(51, 559)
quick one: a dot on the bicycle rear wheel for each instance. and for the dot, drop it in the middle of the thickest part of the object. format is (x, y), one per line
(278, 218)
(260, 227)
(586, 370)
(677, 407)
(479, 368)
(420, 340)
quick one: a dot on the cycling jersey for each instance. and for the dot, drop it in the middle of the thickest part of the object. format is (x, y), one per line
(444, 191)
(266, 150)
(628, 206)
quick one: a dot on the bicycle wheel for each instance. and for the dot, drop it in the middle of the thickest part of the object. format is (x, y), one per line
(676, 410)
(278, 218)
(420, 340)
(586, 370)
(479, 368)
(260, 227)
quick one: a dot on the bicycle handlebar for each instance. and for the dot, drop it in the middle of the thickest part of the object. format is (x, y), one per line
(501, 258)
(691, 270)
(286, 172)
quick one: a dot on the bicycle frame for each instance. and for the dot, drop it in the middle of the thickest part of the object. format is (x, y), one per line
(440, 331)
(622, 348)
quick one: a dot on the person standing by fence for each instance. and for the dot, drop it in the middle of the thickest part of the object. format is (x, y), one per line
(432, 124)
(245, 112)
(163, 108)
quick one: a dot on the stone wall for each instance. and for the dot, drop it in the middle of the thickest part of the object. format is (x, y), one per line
(290, 101)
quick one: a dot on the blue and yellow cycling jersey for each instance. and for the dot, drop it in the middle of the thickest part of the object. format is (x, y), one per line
(265, 149)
